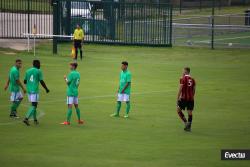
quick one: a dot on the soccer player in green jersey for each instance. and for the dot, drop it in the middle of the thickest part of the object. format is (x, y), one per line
(14, 85)
(32, 78)
(73, 81)
(124, 90)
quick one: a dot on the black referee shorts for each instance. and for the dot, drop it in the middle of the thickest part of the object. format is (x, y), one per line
(78, 44)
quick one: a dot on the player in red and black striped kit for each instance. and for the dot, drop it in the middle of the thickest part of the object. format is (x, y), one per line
(185, 98)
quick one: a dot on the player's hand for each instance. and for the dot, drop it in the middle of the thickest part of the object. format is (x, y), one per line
(24, 91)
(178, 99)
(6, 87)
(64, 76)
(47, 90)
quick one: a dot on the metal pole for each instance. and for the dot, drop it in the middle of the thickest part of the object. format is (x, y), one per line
(28, 43)
(212, 39)
(34, 45)
(200, 4)
(28, 16)
(180, 6)
(55, 18)
(171, 25)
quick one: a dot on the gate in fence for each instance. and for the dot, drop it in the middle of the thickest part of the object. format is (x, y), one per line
(103, 22)
(115, 23)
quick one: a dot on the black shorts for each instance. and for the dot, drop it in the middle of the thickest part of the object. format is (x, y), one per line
(77, 43)
(183, 104)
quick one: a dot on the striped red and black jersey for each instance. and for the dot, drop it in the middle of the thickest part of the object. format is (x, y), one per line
(188, 88)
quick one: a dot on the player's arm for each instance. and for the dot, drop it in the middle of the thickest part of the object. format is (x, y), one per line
(44, 86)
(25, 79)
(66, 79)
(82, 36)
(42, 82)
(125, 87)
(194, 90)
(7, 84)
(179, 92)
(118, 89)
(74, 35)
(21, 85)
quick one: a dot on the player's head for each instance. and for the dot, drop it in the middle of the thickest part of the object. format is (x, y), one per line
(73, 66)
(36, 64)
(186, 70)
(18, 63)
(124, 65)
(78, 26)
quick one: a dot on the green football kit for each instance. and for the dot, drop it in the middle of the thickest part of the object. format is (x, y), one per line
(73, 81)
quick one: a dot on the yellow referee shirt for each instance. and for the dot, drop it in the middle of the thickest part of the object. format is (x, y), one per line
(78, 34)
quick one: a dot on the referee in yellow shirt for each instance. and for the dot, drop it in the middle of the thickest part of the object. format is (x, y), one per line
(78, 39)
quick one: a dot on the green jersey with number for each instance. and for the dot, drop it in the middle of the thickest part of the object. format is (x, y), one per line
(73, 83)
(13, 77)
(125, 77)
(33, 76)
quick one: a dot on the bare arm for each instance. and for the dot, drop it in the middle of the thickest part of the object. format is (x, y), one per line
(7, 84)
(125, 87)
(194, 89)
(44, 86)
(65, 79)
(21, 85)
(179, 92)
(118, 89)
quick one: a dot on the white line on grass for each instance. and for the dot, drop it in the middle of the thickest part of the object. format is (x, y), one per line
(104, 96)
(95, 97)
(223, 39)
(41, 114)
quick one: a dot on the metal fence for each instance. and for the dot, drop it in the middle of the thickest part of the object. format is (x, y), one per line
(229, 31)
(115, 23)
(22, 16)
(184, 6)
(103, 22)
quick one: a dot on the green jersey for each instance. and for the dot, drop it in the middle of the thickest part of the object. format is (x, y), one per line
(125, 77)
(33, 76)
(73, 83)
(13, 77)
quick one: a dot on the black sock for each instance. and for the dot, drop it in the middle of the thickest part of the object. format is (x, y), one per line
(190, 118)
(181, 115)
(81, 53)
(76, 53)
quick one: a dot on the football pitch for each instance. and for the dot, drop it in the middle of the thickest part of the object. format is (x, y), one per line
(153, 135)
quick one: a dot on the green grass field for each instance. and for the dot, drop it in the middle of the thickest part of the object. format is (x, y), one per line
(153, 136)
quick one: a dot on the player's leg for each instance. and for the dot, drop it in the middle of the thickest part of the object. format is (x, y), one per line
(78, 111)
(76, 49)
(35, 113)
(80, 47)
(33, 98)
(180, 107)
(16, 98)
(118, 105)
(190, 107)
(69, 112)
(126, 98)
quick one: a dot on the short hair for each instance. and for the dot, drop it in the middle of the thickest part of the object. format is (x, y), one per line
(36, 63)
(74, 64)
(18, 60)
(125, 63)
(187, 69)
